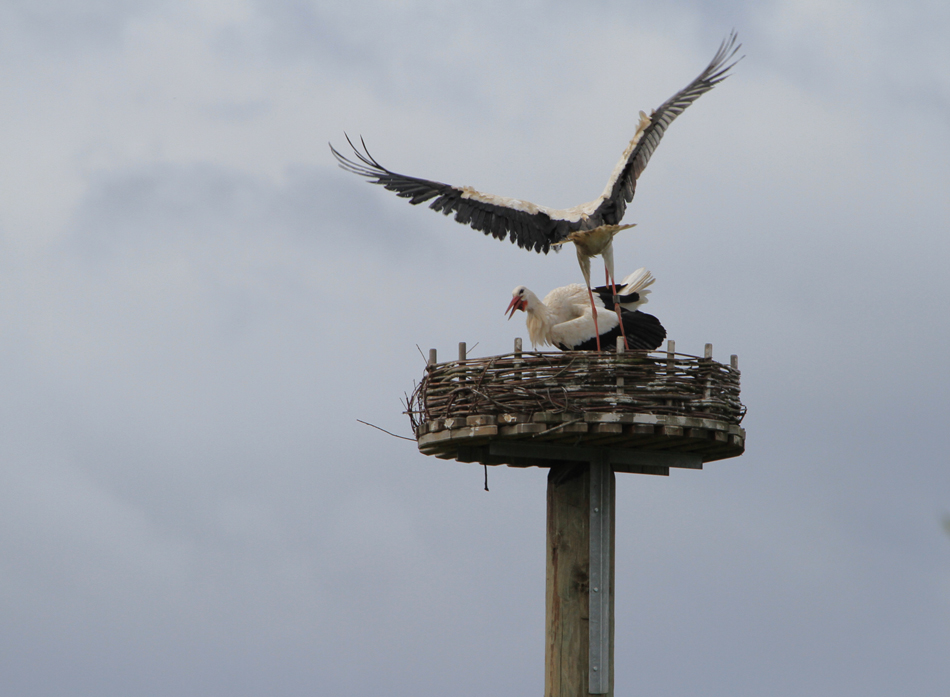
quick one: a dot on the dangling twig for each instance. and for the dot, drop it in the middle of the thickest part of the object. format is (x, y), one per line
(385, 431)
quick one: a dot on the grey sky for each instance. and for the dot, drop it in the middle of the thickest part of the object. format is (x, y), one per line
(196, 305)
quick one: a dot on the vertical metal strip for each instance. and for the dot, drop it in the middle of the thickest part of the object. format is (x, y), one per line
(600, 574)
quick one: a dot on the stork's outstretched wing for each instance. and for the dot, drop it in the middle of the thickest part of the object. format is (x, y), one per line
(612, 204)
(529, 225)
(526, 224)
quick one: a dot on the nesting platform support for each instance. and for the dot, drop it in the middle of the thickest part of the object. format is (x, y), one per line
(584, 415)
(579, 592)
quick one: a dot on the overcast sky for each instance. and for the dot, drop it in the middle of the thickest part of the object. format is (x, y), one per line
(196, 306)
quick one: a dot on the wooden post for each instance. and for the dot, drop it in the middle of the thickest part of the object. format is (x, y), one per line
(670, 362)
(517, 375)
(620, 349)
(571, 641)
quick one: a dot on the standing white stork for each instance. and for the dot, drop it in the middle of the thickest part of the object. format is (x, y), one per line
(535, 227)
(592, 243)
(564, 318)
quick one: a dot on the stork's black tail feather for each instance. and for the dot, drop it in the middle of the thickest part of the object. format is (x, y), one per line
(644, 333)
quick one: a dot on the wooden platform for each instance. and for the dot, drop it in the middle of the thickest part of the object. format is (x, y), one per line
(650, 410)
(495, 440)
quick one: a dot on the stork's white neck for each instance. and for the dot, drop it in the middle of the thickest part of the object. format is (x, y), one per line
(539, 320)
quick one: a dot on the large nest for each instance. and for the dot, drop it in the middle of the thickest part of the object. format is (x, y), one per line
(577, 382)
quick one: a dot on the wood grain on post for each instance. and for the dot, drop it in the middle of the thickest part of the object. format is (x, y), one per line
(567, 594)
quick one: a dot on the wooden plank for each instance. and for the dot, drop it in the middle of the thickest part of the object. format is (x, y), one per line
(600, 435)
(472, 432)
(643, 469)
(645, 435)
(609, 418)
(546, 417)
(620, 458)
(522, 429)
(433, 438)
(601, 573)
(563, 431)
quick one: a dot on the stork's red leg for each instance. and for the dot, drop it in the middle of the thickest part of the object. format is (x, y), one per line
(613, 289)
(593, 309)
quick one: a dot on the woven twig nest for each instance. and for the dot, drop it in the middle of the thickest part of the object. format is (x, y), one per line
(653, 401)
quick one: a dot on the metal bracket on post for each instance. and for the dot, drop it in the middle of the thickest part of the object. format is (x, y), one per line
(601, 475)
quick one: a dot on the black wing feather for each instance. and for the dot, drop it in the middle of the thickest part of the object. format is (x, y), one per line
(644, 332)
(611, 211)
(607, 297)
(533, 231)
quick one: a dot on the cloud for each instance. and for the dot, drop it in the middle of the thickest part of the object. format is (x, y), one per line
(196, 306)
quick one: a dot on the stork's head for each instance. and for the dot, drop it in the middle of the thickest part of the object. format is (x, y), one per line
(519, 301)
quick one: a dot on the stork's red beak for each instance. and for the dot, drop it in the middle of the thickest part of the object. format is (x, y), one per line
(516, 304)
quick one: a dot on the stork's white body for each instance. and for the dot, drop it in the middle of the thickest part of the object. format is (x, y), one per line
(564, 317)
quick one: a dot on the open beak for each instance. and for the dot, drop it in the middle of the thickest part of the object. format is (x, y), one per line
(516, 304)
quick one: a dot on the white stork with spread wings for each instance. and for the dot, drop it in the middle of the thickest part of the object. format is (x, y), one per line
(564, 318)
(535, 227)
